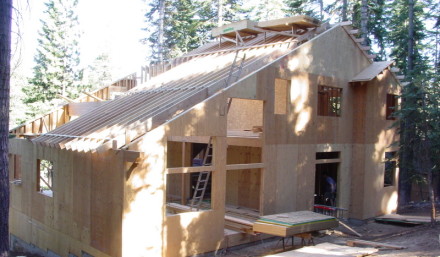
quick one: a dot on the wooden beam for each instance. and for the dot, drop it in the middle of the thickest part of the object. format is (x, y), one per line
(180, 170)
(359, 40)
(353, 31)
(327, 161)
(276, 32)
(190, 139)
(374, 244)
(131, 156)
(93, 96)
(65, 98)
(371, 56)
(345, 23)
(246, 166)
(395, 69)
(400, 77)
(365, 48)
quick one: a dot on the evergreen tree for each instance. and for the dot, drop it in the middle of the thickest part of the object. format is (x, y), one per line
(57, 59)
(5, 68)
(176, 27)
(270, 9)
(99, 72)
(305, 7)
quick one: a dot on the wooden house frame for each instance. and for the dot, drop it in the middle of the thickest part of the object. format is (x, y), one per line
(122, 172)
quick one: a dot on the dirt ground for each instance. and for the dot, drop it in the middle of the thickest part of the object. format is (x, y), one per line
(419, 240)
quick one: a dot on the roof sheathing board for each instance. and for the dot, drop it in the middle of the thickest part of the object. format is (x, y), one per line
(134, 111)
(285, 24)
(371, 71)
(244, 28)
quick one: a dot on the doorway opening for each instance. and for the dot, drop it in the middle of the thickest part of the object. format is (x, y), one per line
(326, 178)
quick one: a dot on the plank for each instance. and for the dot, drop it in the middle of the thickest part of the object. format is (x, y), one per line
(327, 250)
(374, 244)
(404, 219)
(287, 224)
(179, 170)
(371, 71)
(245, 166)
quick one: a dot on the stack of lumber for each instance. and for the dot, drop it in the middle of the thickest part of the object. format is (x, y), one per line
(240, 219)
(406, 219)
(291, 223)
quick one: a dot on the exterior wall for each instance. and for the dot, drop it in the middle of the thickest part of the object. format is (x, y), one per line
(373, 137)
(360, 134)
(77, 217)
(147, 230)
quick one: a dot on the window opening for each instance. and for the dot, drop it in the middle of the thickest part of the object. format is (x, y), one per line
(327, 155)
(390, 169)
(391, 106)
(329, 101)
(15, 166)
(45, 177)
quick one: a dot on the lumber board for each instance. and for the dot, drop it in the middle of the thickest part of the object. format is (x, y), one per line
(245, 166)
(285, 24)
(374, 244)
(404, 219)
(327, 249)
(371, 71)
(287, 224)
(178, 170)
(244, 28)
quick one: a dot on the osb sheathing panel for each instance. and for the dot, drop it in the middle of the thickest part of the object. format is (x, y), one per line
(204, 119)
(76, 218)
(316, 63)
(243, 186)
(289, 176)
(144, 209)
(195, 232)
(245, 114)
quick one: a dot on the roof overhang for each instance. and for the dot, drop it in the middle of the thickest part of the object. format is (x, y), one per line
(372, 71)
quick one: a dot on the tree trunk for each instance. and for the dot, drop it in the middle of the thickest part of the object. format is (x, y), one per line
(364, 21)
(321, 9)
(410, 36)
(220, 13)
(161, 29)
(344, 10)
(5, 58)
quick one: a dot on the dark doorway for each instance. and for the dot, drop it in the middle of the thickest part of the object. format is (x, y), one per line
(326, 174)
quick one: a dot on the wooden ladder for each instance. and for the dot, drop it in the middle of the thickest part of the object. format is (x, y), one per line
(229, 80)
(203, 178)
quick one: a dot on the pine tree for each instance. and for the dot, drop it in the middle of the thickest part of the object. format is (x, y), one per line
(99, 72)
(305, 7)
(56, 71)
(270, 9)
(5, 60)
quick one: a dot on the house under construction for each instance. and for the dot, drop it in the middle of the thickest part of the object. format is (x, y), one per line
(178, 164)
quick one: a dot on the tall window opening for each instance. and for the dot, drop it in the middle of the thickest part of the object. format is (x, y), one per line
(391, 106)
(329, 101)
(390, 169)
(45, 177)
